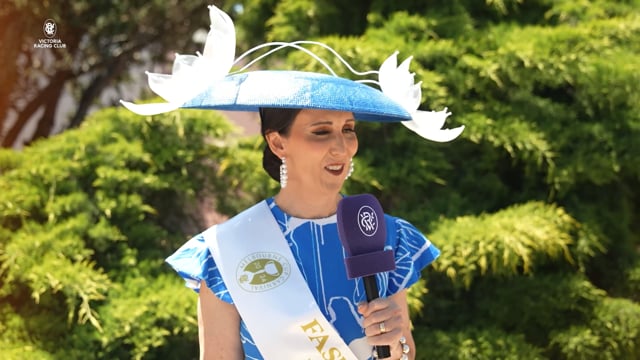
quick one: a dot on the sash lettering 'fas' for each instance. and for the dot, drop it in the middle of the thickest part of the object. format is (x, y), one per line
(318, 337)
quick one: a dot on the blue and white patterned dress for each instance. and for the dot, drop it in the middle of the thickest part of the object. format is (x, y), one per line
(319, 255)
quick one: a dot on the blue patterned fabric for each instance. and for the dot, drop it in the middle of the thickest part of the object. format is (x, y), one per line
(319, 255)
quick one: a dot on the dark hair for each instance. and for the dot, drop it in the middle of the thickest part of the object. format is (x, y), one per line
(280, 120)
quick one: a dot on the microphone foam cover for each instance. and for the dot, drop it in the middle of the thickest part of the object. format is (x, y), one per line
(362, 230)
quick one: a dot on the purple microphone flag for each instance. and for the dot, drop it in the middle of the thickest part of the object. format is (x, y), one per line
(362, 230)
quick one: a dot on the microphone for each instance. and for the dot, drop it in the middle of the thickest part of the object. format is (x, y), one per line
(362, 230)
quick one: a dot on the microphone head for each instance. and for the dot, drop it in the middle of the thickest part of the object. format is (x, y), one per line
(361, 224)
(363, 232)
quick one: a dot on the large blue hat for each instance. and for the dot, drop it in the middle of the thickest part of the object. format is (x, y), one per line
(204, 82)
(300, 90)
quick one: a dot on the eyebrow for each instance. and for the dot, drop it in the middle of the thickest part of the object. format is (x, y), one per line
(321, 123)
(327, 122)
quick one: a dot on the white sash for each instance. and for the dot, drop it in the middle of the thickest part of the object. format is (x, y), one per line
(269, 291)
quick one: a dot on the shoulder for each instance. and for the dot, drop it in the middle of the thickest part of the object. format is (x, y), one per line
(246, 214)
(409, 241)
(413, 252)
(402, 228)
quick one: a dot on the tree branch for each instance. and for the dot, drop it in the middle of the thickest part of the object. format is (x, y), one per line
(99, 82)
(55, 84)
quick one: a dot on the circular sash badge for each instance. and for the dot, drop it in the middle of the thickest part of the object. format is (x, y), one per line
(262, 271)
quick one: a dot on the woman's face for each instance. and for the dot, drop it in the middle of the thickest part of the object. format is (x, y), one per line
(318, 149)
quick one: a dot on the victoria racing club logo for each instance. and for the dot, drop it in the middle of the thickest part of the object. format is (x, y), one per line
(49, 28)
(50, 40)
(367, 220)
(262, 271)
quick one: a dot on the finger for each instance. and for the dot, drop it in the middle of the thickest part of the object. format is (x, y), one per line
(383, 327)
(387, 338)
(362, 307)
(375, 305)
(390, 312)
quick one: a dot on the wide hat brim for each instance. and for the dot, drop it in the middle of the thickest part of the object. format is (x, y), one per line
(250, 91)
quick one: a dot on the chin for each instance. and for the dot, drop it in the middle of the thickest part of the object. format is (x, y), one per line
(335, 186)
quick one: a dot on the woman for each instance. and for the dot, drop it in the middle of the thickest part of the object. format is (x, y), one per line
(272, 282)
(317, 147)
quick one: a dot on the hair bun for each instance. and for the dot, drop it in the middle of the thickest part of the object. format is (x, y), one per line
(280, 120)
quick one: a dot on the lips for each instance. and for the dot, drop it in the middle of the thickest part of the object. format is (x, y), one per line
(335, 169)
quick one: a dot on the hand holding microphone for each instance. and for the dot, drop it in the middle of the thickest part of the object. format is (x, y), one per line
(362, 231)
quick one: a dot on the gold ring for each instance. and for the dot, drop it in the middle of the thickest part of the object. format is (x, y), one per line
(382, 328)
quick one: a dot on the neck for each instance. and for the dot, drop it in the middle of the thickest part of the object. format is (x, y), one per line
(307, 205)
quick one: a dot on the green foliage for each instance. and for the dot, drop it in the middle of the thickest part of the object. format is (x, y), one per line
(473, 344)
(240, 173)
(633, 281)
(536, 305)
(534, 207)
(512, 241)
(143, 314)
(87, 218)
(296, 19)
(613, 333)
(570, 12)
(414, 298)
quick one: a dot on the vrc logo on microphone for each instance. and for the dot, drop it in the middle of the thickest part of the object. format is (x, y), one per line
(367, 221)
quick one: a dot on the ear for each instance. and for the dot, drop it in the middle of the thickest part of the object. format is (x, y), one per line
(276, 143)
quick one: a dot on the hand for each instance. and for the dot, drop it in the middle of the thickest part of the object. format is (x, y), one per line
(384, 324)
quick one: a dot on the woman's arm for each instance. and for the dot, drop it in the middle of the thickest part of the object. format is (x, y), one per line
(394, 313)
(218, 327)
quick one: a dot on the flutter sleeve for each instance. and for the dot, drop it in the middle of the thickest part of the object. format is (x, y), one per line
(193, 262)
(413, 252)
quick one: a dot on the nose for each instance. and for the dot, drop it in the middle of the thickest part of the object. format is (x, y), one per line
(339, 145)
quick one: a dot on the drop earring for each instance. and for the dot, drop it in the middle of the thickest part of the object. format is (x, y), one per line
(350, 169)
(283, 173)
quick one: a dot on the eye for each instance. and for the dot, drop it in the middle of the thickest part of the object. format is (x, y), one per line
(349, 129)
(321, 132)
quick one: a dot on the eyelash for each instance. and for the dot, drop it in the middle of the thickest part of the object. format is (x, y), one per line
(325, 132)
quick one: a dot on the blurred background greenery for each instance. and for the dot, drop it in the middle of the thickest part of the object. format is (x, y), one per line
(536, 207)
